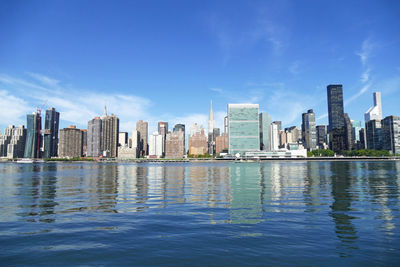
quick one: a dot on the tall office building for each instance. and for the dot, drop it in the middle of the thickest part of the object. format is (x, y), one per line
(349, 141)
(265, 131)
(84, 142)
(309, 130)
(143, 128)
(391, 134)
(221, 143)
(33, 136)
(109, 135)
(375, 112)
(123, 139)
(356, 133)
(156, 145)
(243, 128)
(163, 128)
(194, 128)
(198, 143)
(94, 137)
(293, 134)
(51, 125)
(336, 128)
(278, 124)
(373, 134)
(16, 146)
(175, 144)
(363, 139)
(322, 136)
(275, 136)
(5, 140)
(70, 143)
(226, 125)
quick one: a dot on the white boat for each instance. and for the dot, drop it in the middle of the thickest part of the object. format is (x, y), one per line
(25, 161)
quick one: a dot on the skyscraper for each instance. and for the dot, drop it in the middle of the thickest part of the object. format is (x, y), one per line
(109, 135)
(349, 141)
(373, 133)
(51, 126)
(198, 143)
(143, 128)
(309, 130)
(33, 137)
(391, 134)
(336, 128)
(274, 136)
(265, 131)
(156, 145)
(94, 137)
(70, 142)
(16, 146)
(243, 128)
(175, 144)
(322, 136)
(375, 112)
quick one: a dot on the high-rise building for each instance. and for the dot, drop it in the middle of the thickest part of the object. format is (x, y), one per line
(156, 145)
(356, 131)
(293, 134)
(221, 143)
(198, 143)
(175, 144)
(94, 137)
(5, 140)
(349, 141)
(282, 139)
(51, 125)
(16, 146)
(195, 128)
(84, 142)
(375, 112)
(143, 128)
(226, 129)
(33, 136)
(163, 128)
(109, 135)
(211, 137)
(278, 124)
(123, 139)
(265, 131)
(363, 139)
(373, 133)
(274, 136)
(243, 128)
(309, 130)
(70, 143)
(322, 134)
(336, 128)
(391, 134)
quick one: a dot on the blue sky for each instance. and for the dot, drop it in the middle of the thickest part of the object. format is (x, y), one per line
(165, 60)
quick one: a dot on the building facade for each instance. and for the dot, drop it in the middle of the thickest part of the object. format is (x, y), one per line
(265, 131)
(373, 134)
(309, 130)
(50, 138)
(16, 147)
(156, 145)
(33, 136)
(322, 136)
(110, 136)
(143, 128)
(94, 137)
(70, 145)
(198, 144)
(221, 143)
(243, 127)
(375, 112)
(336, 128)
(175, 145)
(391, 134)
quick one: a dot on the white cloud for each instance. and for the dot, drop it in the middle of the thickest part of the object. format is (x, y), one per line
(44, 79)
(366, 51)
(13, 109)
(358, 94)
(365, 75)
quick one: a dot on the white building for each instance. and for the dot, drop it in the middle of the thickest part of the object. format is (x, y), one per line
(194, 128)
(375, 112)
(156, 145)
(274, 137)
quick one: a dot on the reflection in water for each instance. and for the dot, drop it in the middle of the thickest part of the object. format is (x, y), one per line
(290, 202)
(342, 194)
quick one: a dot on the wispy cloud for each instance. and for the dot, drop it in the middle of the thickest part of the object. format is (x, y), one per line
(366, 50)
(358, 94)
(294, 68)
(77, 106)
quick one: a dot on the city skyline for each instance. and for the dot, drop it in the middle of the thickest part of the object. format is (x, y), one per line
(142, 64)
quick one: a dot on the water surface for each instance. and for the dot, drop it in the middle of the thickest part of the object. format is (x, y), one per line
(201, 214)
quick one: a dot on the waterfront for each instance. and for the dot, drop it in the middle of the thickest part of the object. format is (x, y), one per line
(213, 214)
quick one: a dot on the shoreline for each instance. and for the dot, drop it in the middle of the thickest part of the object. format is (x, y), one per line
(216, 160)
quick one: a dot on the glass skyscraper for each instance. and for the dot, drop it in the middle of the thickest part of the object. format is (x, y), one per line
(244, 132)
(33, 137)
(51, 124)
(336, 128)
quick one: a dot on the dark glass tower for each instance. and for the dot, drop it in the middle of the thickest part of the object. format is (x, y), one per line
(33, 137)
(336, 128)
(51, 126)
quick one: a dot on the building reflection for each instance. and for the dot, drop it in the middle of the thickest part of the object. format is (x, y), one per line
(383, 188)
(342, 180)
(245, 205)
